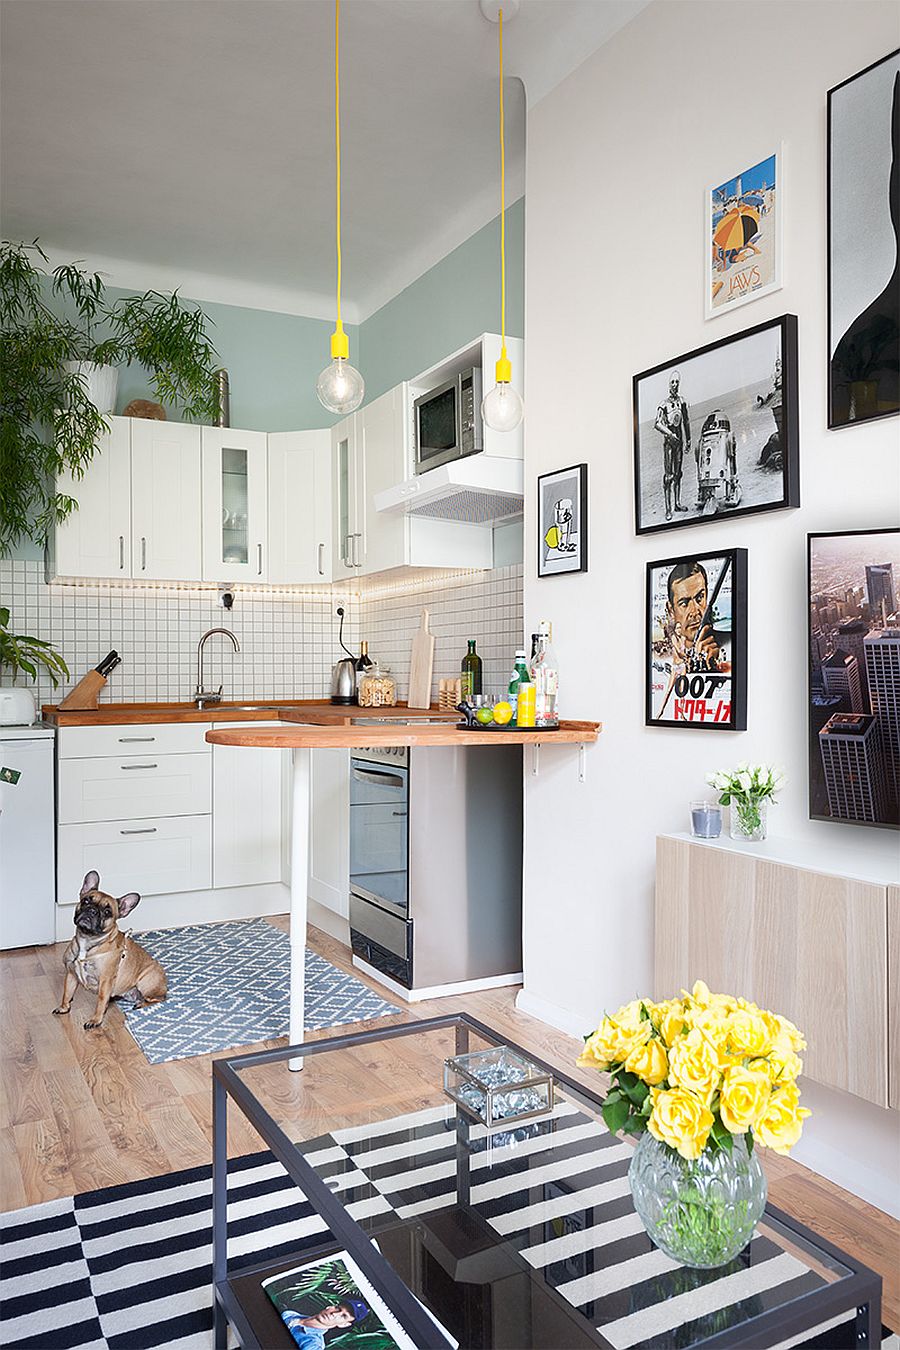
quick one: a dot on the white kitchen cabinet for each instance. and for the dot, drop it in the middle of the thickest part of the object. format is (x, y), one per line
(329, 829)
(384, 452)
(131, 787)
(235, 505)
(348, 499)
(95, 541)
(300, 517)
(247, 813)
(152, 856)
(165, 501)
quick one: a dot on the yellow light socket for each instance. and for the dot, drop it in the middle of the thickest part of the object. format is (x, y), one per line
(340, 345)
(503, 370)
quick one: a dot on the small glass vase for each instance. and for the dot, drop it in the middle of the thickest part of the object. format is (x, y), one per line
(748, 820)
(701, 1213)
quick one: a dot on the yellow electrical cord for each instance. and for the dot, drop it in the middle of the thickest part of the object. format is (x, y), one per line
(503, 369)
(340, 343)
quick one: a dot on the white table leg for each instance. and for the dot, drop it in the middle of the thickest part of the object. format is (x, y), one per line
(299, 884)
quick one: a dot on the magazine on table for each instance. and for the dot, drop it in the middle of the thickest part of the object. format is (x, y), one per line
(329, 1304)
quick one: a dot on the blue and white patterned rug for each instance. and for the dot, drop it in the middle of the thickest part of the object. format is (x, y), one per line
(228, 986)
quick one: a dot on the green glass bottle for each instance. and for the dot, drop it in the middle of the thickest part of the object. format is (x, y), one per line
(471, 672)
(520, 673)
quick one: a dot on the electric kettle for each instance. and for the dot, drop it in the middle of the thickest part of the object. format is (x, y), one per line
(343, 681)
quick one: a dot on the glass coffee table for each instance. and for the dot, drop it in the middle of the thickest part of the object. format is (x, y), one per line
(521, 1236)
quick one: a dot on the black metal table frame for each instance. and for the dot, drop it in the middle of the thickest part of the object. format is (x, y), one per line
(857, 1295)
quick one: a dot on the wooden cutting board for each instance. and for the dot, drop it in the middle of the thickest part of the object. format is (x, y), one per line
(421, 666)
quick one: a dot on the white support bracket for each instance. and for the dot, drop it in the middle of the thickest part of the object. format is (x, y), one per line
(536, 758)
(582, 762)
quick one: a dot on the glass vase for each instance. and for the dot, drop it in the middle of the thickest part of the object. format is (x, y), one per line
(748, 819)
(701, 1213)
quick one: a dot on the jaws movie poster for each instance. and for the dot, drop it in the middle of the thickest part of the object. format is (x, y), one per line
(696, 638)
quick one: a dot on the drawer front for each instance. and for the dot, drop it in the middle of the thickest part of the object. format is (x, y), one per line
(153, 857)
(135, 787)
(163, 738)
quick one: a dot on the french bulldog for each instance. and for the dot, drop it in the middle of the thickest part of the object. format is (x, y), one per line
(105, 960)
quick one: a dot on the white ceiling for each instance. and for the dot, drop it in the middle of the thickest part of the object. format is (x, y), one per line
(190, 142)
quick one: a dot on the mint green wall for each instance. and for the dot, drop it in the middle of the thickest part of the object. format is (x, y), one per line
(447, 306)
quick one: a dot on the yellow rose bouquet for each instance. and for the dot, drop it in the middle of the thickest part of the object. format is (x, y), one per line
(702, 1078)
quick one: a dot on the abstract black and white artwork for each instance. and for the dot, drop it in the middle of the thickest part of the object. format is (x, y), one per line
(864, 245)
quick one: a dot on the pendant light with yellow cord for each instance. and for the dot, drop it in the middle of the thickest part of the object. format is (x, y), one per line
(340, 387)
(502, 408)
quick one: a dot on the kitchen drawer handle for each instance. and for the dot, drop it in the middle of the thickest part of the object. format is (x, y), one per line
(321, 560)
(150, 830)
(126, 740)
(378, 778)
(126, 768)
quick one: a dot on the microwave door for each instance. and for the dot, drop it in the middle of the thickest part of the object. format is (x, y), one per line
(437, 426)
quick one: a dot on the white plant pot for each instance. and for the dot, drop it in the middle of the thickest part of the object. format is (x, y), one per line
(100, 383)
(17, 708)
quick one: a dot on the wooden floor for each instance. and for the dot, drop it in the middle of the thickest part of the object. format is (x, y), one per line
(80, 1109)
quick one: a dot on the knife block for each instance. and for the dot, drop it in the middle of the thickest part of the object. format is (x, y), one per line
(85, 693)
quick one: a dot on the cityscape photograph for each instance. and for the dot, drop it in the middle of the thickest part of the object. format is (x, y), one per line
(854, 657)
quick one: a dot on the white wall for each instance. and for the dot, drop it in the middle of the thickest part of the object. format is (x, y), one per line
(618, 159)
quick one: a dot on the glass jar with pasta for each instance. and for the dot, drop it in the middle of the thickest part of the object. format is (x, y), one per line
(377, 689)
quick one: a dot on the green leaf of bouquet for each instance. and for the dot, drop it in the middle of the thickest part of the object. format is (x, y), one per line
(615, 1115)
(749, 1141)
(635, 1125)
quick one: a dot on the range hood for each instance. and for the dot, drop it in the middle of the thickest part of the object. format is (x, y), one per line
(481, 489)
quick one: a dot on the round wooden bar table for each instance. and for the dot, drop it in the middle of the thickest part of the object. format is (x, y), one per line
(300, 738)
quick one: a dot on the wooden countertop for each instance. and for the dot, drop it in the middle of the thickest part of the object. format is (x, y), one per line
(340, 737)
(317, 711)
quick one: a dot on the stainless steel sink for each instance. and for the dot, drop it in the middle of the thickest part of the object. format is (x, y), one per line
(243, 707)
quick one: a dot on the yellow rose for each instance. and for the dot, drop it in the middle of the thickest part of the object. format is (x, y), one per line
(796, 1038)
(713, 1027)
(694, 1064)
(680, 1120)
(700, 994)
(748, 1034)
(668, 1018)
(743, 1097)
(600, 1048)
(784, 1064)
(780, 1126)
(649, 1062)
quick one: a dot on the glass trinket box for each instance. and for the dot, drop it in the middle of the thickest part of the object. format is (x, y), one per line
(498, 1086)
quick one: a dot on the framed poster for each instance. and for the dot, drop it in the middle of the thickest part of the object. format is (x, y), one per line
(864, 245)
(716, 431)
(562, 521)
(744, 235)
(854, 676)
(696, 641)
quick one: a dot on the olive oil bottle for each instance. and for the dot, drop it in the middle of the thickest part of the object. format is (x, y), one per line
(471, 672)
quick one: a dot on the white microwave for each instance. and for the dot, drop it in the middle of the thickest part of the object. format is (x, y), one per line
(448, 421)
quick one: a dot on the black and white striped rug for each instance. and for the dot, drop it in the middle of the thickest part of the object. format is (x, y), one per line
(129, 1267)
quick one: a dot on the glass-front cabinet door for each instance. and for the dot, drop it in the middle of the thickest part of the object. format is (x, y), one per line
(235, 492)
(348, 528)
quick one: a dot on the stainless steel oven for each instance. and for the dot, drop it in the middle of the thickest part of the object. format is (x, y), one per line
(379, 859)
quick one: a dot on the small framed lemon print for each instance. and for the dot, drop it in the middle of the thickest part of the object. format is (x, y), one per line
(562, 521)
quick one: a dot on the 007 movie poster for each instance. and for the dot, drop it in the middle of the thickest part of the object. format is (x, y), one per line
(696, 641)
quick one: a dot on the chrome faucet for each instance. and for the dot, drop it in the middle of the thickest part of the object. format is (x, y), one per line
(204, 696)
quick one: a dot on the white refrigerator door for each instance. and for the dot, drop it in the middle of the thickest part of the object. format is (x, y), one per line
(27, 843)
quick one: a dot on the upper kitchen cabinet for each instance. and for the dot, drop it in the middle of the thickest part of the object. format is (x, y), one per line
(300, 523)
(383, 447)
(235, 505)
(95, 541)
(348, 499)
(165, 501)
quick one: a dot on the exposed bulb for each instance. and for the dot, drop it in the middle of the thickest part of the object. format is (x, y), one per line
(502, 408)
(340, 387)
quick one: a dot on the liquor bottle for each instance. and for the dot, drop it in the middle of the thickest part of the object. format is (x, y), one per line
(545, 674)
(471, 672)
(364, 663)
(520, 672)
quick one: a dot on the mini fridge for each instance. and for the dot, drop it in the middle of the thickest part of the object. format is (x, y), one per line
(27, 837)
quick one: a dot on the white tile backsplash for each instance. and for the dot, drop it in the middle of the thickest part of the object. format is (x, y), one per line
(288, 638)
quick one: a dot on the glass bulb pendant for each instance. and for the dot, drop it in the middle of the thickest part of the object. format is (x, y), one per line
(502, 408)
(340, 388)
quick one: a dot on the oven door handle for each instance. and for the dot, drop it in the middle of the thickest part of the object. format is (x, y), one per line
(378, 778)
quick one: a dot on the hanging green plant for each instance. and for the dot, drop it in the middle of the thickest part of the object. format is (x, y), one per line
(48, 423)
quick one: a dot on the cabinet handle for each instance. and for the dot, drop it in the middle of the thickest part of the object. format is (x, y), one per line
(151, 830)
(321, 560)
(259, 560)
(126, 768)
(399, 813)
(143, 554)
(127, 739)
(121, 553)
(356, 562)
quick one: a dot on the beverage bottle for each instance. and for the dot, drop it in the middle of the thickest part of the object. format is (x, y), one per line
(525, 703)
(545, 674)
(471, 672)
(364, 663)
(520, 672)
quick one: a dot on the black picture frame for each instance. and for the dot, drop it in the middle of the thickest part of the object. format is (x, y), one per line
(830, 692)
(735, 438)
(850, 353)
(705, 692)
(573, 479)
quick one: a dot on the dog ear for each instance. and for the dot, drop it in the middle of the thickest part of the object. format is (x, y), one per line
(91, 883)
(127, 903)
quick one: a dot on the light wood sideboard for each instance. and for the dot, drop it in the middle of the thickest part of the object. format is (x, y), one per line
(819, 947)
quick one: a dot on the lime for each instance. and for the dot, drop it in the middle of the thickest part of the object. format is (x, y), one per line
(502, 713)
(485, 716)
